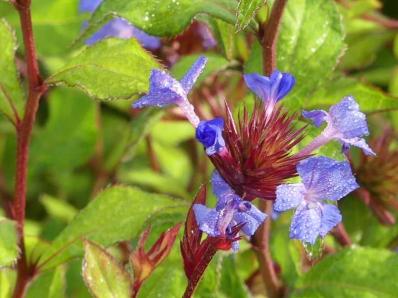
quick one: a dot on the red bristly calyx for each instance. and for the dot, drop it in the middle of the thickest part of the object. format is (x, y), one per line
(258, 155)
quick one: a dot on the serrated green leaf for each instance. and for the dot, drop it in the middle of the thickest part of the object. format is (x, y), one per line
(116, 214)
(103, 275)
(356, 272)
(9, 250)
(155, 17)
(11, 93)
(246, 11)
(110, 69)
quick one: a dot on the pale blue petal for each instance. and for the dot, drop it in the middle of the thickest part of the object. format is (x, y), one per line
(260, 85)
(306, 223)
(331, 217)
(326, 178)
(346, 118)
(360, 143)
(207, 219)
(220, 187)
(192, 75)
(288, 196)
(89, 5)
(251, 219)
(317, 116)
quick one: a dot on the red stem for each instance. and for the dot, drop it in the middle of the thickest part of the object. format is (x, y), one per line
(24, 131)
(341, 235)
(269, 35)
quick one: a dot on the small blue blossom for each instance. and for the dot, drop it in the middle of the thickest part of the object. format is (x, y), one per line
(345, 122)
(165, 90)
(209, 133)
(270, 89)
(322, 179)
(119, 28)
(230, 211)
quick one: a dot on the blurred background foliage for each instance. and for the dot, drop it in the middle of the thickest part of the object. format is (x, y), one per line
(81, 146)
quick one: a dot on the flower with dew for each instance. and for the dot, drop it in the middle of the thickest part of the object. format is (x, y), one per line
(164, 90)
(322, 179)
(270, 89)
(345, 122)
(229, 212)
(119, 28)
(209, 133)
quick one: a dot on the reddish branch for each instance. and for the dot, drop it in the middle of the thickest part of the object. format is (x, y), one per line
(269, 35)
(24, 129)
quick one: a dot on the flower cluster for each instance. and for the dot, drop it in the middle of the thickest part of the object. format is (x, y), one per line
(254, 157)
(119, 28)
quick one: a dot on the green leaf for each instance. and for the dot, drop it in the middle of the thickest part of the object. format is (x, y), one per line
(69, 136)
(356, 272)
(110, 69)
(155, 18)
(57, 208)
(230, 284)
(116, 214)
(224, 33)
(370, 99)
(50, 284)
(11, 93)
(9, 250)
(246, 11)
(310, 44)
(103, 275)
(7, 282)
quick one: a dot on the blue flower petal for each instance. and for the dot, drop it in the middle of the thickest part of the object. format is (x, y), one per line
(260, 85)
(326, 178)
(306, 223)
(164, 90)
(282, 84)
(317, 116)
(235, 246)
(192, 75)
(220, 188)
(251, 219)
(331, 217)
(207, 219)
(89, 5)
(209, 133)
(348, 120)
(360, 143)
(288, 196)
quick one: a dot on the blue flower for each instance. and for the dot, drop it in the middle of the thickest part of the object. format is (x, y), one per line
(322, 179)
(119, 28)
(230, 211)
(209, 133)
(165, 90)
(270, 89)
(345, 122)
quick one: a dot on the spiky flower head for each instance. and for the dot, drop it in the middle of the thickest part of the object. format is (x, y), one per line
(258, 155)
(378, 177)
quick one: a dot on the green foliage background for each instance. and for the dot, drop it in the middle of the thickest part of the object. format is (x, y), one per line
(99, 172)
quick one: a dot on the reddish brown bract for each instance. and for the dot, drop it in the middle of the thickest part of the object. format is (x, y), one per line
(258, 156)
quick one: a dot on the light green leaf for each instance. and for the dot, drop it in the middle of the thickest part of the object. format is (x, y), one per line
(9, 250)
(103, 275)
(356, 272)
(69, 136)
(230, 284)
(7, 282)
(310, 44)
(116, 214)
(155, 17)
(370, 99)
(11, 93)
(50, 284)
(57, 208)
(225, 35)
(246, 11)
(110, 69)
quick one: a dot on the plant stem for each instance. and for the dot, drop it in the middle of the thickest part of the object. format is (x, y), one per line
(261, 242)
(341, 235)
(269, 35)
(24, 131)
